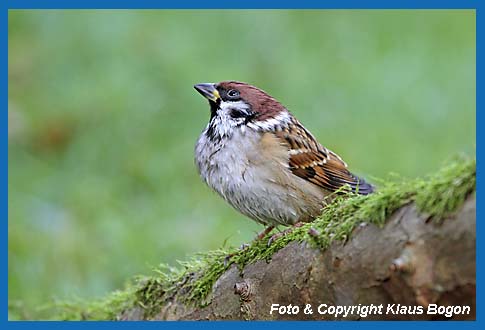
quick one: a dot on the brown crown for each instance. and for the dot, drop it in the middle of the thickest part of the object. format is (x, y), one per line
(261, 103)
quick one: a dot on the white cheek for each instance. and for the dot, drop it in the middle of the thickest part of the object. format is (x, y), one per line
(225, 106)
(223, 123)
(280, 119)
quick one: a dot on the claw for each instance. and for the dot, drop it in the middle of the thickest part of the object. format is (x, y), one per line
(243, 246)
(283, 233)
(275, 237)
(229, 256)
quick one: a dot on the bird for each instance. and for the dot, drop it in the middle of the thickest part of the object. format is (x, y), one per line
(260, 159)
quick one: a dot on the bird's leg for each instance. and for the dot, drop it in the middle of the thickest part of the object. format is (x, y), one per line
(284, 232)
(265, 232)
(244, 246)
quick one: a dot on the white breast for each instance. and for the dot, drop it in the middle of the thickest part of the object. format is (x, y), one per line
(255, 179)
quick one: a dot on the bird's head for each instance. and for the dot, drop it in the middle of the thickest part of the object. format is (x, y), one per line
(237, 104)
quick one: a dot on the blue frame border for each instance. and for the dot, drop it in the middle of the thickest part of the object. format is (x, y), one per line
(247, 4)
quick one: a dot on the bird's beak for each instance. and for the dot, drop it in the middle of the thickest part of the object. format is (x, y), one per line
(208, 91)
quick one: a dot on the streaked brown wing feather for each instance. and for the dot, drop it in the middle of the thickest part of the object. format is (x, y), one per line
(313, 162)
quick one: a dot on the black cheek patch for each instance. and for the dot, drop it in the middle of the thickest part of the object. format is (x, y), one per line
(249, 117)
(235, 113)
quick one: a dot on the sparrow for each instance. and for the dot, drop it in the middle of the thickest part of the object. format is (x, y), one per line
(259, 158)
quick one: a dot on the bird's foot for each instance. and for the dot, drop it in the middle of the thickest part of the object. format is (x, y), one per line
(283, 233)
(243, 246)
(258, 237)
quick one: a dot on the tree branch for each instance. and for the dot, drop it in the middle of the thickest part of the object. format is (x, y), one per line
(411, 261)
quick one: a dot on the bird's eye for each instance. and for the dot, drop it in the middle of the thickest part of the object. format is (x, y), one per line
(232, 93)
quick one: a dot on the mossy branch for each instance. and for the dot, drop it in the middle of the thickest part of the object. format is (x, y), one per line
(390, 224)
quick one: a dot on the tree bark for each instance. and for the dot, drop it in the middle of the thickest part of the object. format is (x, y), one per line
(412, 261)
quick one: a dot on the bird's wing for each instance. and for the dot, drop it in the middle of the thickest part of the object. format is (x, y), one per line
(309, 160)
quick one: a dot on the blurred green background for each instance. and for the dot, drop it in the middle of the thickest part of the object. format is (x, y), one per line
(103, 120)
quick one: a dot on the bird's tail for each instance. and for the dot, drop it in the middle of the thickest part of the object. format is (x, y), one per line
(362, 187)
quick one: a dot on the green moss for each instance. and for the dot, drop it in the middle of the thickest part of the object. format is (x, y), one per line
(447, 190)
(436, 196)
(107, 308)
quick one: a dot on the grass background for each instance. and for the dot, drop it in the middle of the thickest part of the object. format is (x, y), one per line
(103, 120)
